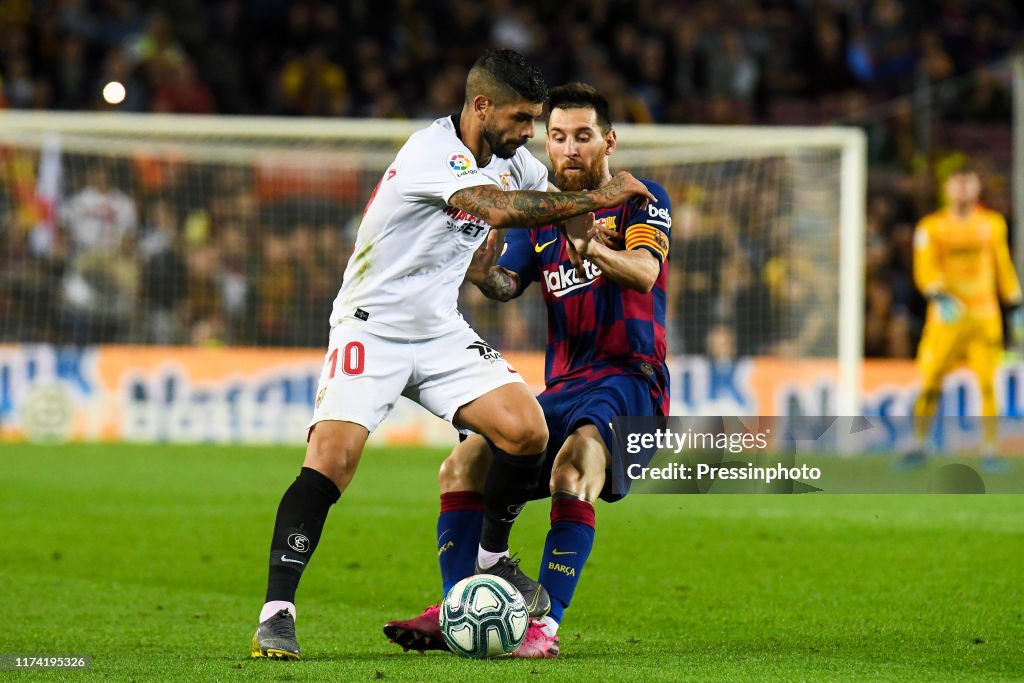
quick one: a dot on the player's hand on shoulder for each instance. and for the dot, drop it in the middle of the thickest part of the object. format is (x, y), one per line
(610, 238)
(623, 187)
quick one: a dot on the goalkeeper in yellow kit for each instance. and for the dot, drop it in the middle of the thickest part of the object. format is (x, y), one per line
(962, 266)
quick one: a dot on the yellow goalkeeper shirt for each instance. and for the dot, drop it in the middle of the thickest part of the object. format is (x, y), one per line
(967, 258)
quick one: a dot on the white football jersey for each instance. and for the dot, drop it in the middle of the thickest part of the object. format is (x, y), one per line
(412, 249)
(98, 220)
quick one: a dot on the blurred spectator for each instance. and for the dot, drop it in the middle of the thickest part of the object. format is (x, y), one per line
(721, 345)
(310, 85)
(102, 281)
(651, 84)
(515, 28)
(827, 69)
(19, 86)
(182, 92)
(155, 47)
(222, 63)
(988, 100)
(277, 289)
(688, 66)
(882, 51)
(341, 59)
(446, 93)
(988, 40)
(253, 267)
(237, 270)
(896, 143)
(936, 65)
(886, 328)
(164, 276)
(798, 310)
(315, 288)
(470, 22)
(75, 19)
(733, 73)
(29, 287)
(699, 253)
(70, 78)
(119, 22)
(99, 217)
(743, 305)
(160, 231)
(204, 305)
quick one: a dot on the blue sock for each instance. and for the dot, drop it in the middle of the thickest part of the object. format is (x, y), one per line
(458, 535)
(566, 550)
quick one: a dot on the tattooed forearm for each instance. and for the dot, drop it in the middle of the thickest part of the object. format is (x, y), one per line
(525, 208)
(500, 284)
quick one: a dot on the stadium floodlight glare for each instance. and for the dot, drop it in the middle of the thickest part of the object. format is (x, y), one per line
(114, 92)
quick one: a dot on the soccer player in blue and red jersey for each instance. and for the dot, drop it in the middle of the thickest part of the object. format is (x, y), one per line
(603, 279)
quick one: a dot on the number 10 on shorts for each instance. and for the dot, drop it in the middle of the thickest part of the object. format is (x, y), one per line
(353, 358)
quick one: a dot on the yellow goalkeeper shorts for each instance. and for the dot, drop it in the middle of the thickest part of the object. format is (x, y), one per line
(978, 340)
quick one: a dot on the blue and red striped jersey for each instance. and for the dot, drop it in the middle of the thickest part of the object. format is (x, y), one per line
(595, 326)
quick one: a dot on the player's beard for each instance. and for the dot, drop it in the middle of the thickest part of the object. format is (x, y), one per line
(584, 177)
(503, 149)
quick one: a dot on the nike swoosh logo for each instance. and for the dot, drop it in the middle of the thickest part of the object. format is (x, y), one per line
(284, 558)
(556, 551)
(443, 534)
(540, 247)
(532, 607)
(562, 292)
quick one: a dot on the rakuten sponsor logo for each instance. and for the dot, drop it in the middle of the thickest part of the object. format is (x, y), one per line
(564, 280)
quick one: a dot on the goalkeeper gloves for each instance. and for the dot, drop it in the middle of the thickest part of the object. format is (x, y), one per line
(950, 308)
(1015, 318)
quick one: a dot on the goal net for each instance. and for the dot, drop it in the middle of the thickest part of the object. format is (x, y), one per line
(235, 231)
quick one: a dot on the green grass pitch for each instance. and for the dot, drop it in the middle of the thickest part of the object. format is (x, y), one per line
(153, 560)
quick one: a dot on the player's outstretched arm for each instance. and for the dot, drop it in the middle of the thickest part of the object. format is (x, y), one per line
(530, 209)
(494, 281)
(1006, 274)
(927, 271)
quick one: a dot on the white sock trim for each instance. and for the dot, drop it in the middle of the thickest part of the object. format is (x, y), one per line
(550, 626)
(486, 559)
(275, 606)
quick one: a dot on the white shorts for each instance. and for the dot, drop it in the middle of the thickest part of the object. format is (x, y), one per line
(364, 374)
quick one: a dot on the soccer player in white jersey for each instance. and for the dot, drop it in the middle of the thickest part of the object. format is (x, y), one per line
(396, 330)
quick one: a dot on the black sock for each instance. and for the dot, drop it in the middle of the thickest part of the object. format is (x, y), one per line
(511, 482)
(300, 520)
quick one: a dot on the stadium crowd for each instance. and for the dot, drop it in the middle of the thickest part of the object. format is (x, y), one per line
(181, 271)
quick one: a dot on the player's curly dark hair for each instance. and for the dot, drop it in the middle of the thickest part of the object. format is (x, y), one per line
(507, 70)
(582, 96)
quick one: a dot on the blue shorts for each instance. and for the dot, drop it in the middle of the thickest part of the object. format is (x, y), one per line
(593, 403)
